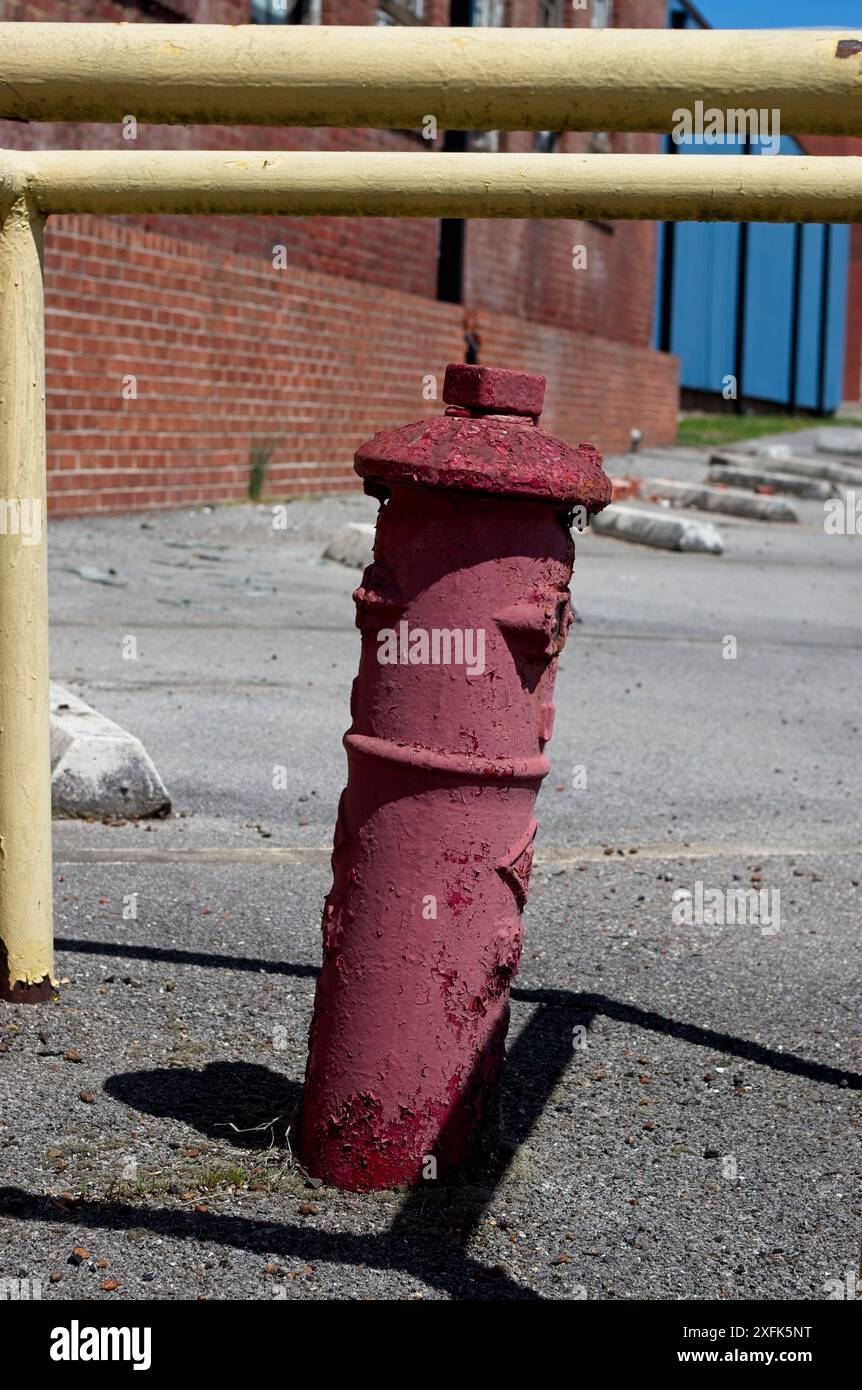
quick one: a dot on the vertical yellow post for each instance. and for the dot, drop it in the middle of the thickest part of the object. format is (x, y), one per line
(26, 938)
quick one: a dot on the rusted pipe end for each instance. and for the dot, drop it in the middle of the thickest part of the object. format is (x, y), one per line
(20, 992)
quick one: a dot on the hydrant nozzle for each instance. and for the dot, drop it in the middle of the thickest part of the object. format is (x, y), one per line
(462, 614)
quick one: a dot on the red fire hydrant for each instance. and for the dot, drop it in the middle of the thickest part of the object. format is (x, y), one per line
(462, 612)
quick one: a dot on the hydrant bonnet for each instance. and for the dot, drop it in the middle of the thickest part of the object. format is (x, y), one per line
(487, 442)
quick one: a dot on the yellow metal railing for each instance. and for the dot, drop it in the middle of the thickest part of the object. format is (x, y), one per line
(778, 188)
(468, 79)
(476, 79)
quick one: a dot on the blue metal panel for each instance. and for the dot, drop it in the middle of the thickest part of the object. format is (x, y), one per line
(706, 266)
(704, 297)
(703, 318)
(808, 358)
(768, 312)
(661, 270)
(839, 262)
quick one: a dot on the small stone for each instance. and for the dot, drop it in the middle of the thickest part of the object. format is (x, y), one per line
(109, 1285)
(307, 1209)
(78, 1256)
(315, 1182)
(560, 1260)
(55, 1276)
(87, 1097)
(72, 1056)
(101, 1264)
(55, 1153)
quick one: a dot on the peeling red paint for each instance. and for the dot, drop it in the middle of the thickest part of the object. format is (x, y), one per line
(412, 1005)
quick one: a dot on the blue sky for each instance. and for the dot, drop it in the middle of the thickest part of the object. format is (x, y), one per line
(781, 14)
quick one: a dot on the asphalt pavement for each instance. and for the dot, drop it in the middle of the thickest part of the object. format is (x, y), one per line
(682, 1104)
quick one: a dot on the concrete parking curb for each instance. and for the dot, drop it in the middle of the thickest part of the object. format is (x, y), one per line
(352, 545)
(845, 473)
(738, 474)
(98, 768)
(836, 440)
(730, 501)
(662, 530)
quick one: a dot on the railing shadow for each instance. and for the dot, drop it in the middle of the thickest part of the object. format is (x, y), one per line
(430, 1235)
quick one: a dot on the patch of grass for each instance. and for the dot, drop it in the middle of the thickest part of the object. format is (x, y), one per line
(232, 1176)
(279, 1177)
(700, 431)
(262, 449)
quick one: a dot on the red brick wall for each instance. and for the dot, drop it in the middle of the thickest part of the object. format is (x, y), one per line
(332, 348)
(224, 347)
(395, 253)
(598, 389)
(515, 267)
(525, 268)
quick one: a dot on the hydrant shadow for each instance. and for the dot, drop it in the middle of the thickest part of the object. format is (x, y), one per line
(247, 1105)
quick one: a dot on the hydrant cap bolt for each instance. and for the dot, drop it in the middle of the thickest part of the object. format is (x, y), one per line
(487, 442)
(494, 389)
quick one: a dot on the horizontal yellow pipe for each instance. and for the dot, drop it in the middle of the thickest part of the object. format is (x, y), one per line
(779, 188)
(469, 79)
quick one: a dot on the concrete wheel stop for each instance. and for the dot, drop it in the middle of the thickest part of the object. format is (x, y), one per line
(97, 767)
